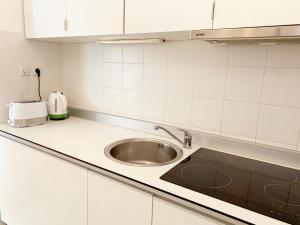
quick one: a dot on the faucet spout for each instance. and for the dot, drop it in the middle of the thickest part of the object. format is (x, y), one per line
(187, 141)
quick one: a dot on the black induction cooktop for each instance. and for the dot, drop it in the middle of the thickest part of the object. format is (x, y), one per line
(262, 187)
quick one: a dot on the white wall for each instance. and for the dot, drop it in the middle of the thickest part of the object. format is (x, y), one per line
(11, 15)
(249, 92)
(16, 52)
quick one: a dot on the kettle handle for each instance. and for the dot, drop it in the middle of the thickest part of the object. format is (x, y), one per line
(63, 99)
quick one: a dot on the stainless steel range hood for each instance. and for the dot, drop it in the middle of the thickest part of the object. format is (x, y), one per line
(279, 34)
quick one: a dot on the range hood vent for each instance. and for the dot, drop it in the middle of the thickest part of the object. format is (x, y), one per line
(274, 34)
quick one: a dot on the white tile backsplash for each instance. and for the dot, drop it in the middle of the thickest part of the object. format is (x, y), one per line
(178, 84)
(282, 87)
(74, 93)
(279, 125)
(287, 56)
(133, 76)
(92, 97)
(156, 54)
(207, 115)
(155, 77)
(112, 100)
(240, 120)
(112, 75)
(225, 90)
(244, 84)
(90, 73)
(132, 103)
(153, 106)
(133, 54)
(210, 81)
(247, 55)
(178, 110)
(182, 53)
(113, 53)
(211, 55)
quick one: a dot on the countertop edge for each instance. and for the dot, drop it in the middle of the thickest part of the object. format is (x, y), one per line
(126, 180)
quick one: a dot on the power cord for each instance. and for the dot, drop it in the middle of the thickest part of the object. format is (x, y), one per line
(38, 73)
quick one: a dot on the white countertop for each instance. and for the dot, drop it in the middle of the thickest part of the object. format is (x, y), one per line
(86, 140)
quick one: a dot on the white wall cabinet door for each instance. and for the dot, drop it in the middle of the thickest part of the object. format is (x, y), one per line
(251, 13)
(44, 18)
(166, 213)
(94, 17)
(114, 203)
(38, 189)
(147, 16)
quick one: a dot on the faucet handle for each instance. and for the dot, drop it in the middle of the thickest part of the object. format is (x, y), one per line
(188, 137)
(186, 132)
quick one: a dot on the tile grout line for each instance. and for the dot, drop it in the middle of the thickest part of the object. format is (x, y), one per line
(166, 80)
(122, 81)
(224, 93)
(102, 82)
(194, 81)
(142, 88)
(261, 94)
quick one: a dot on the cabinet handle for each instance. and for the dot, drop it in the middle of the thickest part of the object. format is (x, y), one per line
(65, 24)
(213, 10)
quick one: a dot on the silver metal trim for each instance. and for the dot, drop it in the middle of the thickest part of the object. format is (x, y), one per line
(271, 33)
(19, 123)
(128, 181)
(108, 149)
(1, 221)
(267, 153)
(24, 102)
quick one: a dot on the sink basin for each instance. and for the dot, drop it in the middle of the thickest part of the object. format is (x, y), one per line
(143, 152)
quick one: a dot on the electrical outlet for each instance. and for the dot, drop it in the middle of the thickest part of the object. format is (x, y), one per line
(32, 71)
(24, 71)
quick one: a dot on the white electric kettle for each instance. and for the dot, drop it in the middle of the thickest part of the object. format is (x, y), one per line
(57, 106)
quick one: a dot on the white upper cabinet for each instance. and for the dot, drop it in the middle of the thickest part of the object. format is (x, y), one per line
(44, 18)
(61, 18)
(94, 17)
(148, 16)
(251, 13)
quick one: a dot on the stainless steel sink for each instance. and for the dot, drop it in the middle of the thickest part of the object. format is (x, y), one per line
(143, 152)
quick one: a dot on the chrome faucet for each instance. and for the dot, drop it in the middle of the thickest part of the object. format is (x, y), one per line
(187, 141)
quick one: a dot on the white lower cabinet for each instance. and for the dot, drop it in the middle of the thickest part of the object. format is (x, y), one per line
(113, 203)
(38, 189)
(166, 213)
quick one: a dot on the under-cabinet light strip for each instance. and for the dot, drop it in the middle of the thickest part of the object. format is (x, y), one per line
(132, 41)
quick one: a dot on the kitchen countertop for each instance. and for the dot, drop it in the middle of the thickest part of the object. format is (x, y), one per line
(85, 140)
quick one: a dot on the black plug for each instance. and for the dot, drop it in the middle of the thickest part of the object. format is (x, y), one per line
(38, 72)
